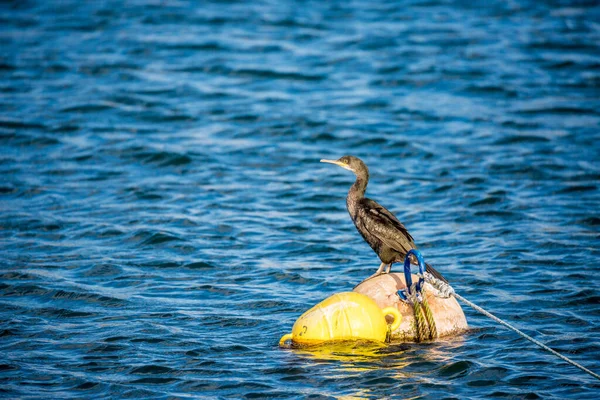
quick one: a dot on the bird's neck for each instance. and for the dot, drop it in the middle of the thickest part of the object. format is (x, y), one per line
(357, 190)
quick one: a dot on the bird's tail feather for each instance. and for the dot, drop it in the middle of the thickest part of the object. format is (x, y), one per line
(435, 273)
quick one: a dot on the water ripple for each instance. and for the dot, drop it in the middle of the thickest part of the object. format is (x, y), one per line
(165, 218)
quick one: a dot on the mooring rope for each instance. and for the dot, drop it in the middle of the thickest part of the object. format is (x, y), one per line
(429, 316)
(419, 323)
(420, 326)
(425, 328)
(446, 290)
(424, 323)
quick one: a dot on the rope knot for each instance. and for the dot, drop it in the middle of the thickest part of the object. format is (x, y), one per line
(444, 290)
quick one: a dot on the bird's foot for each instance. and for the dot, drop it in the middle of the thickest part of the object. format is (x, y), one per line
(381, 270)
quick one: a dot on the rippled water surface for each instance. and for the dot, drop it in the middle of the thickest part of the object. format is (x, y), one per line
(165, 219)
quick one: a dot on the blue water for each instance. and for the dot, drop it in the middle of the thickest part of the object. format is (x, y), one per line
(165, 219)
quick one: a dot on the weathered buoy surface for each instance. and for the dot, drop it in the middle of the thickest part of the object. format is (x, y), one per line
(383, 289)
(340, 317)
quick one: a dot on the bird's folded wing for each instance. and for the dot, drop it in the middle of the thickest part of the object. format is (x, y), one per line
(382, 224)
(385, 226)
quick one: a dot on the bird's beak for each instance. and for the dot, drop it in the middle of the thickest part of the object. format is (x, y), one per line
(336, 162)
(331, 161)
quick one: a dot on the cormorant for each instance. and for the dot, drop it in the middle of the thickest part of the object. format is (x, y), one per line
(379, 227)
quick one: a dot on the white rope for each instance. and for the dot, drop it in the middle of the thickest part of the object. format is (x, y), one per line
(446, 290)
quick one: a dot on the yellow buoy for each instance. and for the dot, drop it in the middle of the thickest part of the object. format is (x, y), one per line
(343, 316)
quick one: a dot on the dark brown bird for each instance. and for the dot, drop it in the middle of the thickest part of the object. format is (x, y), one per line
(379, 227)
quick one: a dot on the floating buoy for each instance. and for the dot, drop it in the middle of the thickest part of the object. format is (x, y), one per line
(383, 289)
(341, 317)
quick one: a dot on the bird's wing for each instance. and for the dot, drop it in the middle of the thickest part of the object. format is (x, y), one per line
(385, 226)
(379, 222)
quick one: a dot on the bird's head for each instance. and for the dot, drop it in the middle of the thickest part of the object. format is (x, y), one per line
(351, 163)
